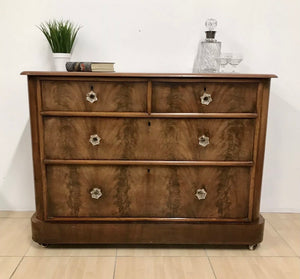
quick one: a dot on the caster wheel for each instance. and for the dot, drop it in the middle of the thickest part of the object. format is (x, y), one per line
(44, 245)
(252, 247)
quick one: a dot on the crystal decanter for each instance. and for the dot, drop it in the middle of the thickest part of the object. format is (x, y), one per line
(209, 50)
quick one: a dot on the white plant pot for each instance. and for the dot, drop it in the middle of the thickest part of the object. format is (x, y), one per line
(60, 60)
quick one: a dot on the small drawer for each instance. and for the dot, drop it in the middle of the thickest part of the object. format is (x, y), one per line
(105, 96)
(147, 191)
(203, 97)
(148, 139)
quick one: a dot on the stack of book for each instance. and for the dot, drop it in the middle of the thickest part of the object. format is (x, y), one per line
(90, 66)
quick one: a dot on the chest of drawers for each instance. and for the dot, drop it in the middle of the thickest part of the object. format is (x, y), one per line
(147, 158)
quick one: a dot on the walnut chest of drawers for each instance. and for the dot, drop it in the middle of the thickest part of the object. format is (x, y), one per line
(148, 158)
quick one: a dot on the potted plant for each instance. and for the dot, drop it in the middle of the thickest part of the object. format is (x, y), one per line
(61, 35)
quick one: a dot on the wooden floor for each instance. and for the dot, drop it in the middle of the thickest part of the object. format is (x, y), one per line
(277, 257)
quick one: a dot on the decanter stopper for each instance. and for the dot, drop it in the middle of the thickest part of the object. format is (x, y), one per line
(211, 25)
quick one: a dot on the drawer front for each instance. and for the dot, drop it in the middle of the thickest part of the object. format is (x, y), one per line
(141, 191)
(94, 96)
(203, 97)
(148, 139)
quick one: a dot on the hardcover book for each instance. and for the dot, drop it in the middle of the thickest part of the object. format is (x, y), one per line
(90, 66)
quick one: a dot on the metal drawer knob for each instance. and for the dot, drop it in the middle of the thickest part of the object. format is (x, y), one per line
(96, 193)
(91, 96)
(206, 99)
(95, 139)
(201, 194)
(203, 140)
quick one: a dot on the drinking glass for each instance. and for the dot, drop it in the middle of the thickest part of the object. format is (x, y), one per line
(223, 60)
(235, 60)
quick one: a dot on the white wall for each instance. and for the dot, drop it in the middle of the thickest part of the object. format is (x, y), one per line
(154, 36)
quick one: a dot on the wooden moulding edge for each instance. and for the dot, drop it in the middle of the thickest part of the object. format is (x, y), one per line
(150, 163)
(147, 233)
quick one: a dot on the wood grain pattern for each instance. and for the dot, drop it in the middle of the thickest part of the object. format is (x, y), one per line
(259, 165)
(112, 96)
(255, 148)
(148, 139)
(149, 163)
(41, 145)
(152, 115)
(185, 97)
(148, 191)
(149, 98)
(35, 142)
(147, 233)
(147, 219)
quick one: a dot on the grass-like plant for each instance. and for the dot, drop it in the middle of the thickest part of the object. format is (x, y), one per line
(60, 34)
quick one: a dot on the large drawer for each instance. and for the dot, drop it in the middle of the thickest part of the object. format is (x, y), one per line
(121, 96)
(148, 139)
(141, 191)
(202, 97)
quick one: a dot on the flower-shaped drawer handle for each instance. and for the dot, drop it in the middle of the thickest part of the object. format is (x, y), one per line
(96, 193)
(201, 194)
(206, 99)
(203, 140)
(95, 139)
(91, 97)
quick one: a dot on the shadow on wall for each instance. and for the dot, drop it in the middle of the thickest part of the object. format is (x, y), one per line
(281, 191)
(17, 187)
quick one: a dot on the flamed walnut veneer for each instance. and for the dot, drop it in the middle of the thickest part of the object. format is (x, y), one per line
(124, 158)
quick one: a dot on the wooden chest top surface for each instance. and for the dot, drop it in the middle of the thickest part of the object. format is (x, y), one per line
(160, 75)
